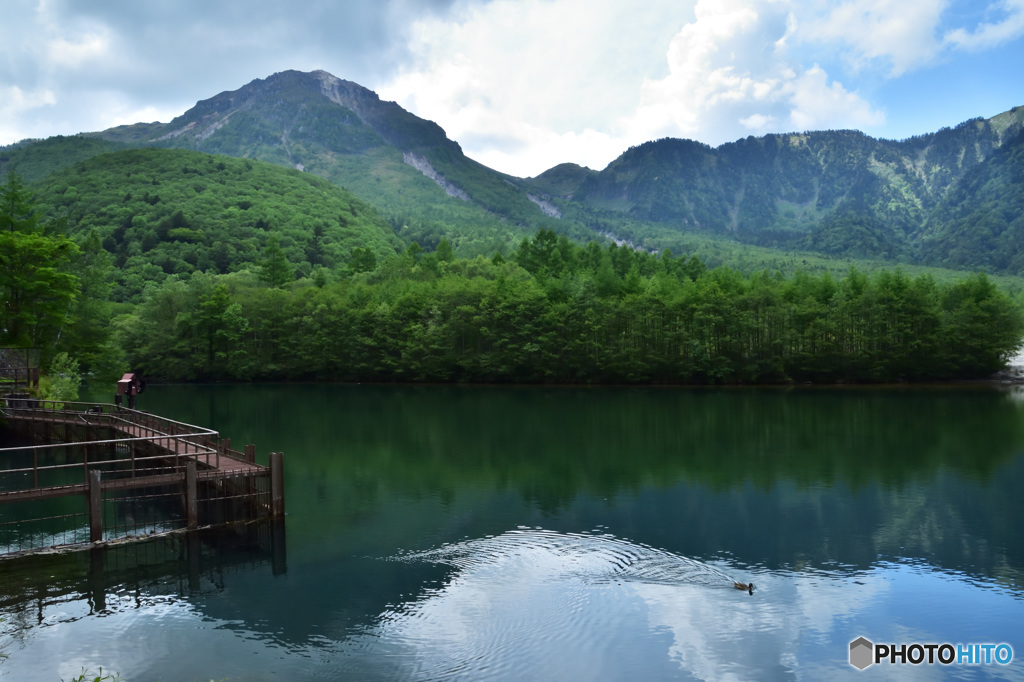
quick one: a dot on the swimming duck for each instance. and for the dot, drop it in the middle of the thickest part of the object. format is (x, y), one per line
(744, 586)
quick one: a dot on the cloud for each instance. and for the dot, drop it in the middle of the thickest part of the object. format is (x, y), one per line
(101, 61)
(902, 34)
(551, 76)
(757, 121)
(732, 69)
(816, 103)
(522, 84)
(991, 34)
(14, 103)
(76, 54)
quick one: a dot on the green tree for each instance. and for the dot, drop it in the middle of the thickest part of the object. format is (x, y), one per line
(62, 381)
(362, 260)
(17, 206)
(36, 290)
(275, 269)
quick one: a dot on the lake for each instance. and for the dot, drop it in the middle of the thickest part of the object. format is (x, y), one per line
(552, 533)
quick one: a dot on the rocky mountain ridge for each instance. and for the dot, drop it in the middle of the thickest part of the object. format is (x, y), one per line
(951, 197)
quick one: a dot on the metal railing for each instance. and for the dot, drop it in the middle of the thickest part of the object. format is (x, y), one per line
(131, 469)
(148, 440)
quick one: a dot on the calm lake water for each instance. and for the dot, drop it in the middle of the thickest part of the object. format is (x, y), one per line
(550, 534)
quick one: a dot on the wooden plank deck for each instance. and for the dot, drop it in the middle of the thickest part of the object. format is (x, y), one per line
(175, 445)
(213, 460)
(172, 454)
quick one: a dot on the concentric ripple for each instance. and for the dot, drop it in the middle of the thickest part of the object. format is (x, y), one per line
(593, 558)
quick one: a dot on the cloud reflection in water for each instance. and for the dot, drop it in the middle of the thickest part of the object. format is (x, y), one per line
(534, 604)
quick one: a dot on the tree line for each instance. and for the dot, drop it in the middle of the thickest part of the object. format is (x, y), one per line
(53, 288)
(560, 312)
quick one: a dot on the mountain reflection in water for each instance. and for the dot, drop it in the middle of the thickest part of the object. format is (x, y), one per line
(537, 533)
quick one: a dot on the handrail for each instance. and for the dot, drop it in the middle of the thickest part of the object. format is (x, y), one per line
(162, 427)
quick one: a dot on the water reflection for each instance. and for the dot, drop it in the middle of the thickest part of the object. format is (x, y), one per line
(546, 606)
(120, 581)
(891, 514)
(587, 557)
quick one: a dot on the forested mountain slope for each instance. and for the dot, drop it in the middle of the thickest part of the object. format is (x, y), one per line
(833, 192)
(162, 211)
(341, 131)
(944, 198)
(982, 221)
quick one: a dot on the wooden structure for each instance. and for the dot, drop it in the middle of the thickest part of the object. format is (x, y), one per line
(19, 368)
(101, 452)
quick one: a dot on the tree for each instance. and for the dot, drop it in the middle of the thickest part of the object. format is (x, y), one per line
(444, 251)
(275, 269)
(37, 290)
(61, 381)
(362, 260)
(17, 206)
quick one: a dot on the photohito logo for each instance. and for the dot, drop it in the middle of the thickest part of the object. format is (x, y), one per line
(864, 653)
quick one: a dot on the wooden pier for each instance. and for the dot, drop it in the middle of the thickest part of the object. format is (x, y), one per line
(107, 451)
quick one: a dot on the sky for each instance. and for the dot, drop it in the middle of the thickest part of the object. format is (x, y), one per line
(523, 85)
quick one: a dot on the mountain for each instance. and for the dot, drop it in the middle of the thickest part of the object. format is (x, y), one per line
(345, 133)
(160, 212)
(948, 198)
(833, 192)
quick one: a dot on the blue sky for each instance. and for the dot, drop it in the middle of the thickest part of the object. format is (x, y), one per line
(524, 85)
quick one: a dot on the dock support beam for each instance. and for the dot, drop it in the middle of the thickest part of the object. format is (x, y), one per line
(95, 507)
(191, 501)
(276, 484)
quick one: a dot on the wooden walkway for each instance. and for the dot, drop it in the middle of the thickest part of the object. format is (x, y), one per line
(160, 452)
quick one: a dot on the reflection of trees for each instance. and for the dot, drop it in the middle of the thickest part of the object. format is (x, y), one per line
(604, 441)
(792, 477)
(136, 575)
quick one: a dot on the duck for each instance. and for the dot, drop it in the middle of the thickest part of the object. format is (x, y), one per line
(744, 586)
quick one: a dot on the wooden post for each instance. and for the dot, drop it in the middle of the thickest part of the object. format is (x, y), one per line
(193, 550)
(95, 507)
(250, 482)
(191, 504)
(279, 562)
(97, 579)
(276, 484)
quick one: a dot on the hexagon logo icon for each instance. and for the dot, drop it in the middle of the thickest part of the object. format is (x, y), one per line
(862, 653)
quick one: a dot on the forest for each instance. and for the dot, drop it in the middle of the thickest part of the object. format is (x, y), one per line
(186, 266)
(558, 312)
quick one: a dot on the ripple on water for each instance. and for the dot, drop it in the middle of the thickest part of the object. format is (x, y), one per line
(524, 603)
(588, 557)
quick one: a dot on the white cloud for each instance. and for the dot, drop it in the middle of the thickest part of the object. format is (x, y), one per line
(522, 84)
(903, 34)
(62, 52)
(991, 34)
(16, 103)
(548, 79)
(817, 104)
(127, 115)
(757, 121)
(731, 70)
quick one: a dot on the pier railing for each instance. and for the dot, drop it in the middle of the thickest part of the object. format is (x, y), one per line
(88, 450)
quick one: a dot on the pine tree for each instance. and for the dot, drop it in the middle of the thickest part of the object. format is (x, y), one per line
(275, 269)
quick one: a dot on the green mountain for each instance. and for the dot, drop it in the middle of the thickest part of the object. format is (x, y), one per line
(835, 192)
(950, 198)
(161, 212)
(338, 130)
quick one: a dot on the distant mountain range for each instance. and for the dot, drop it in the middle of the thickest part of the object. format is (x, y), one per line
(954, 197)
